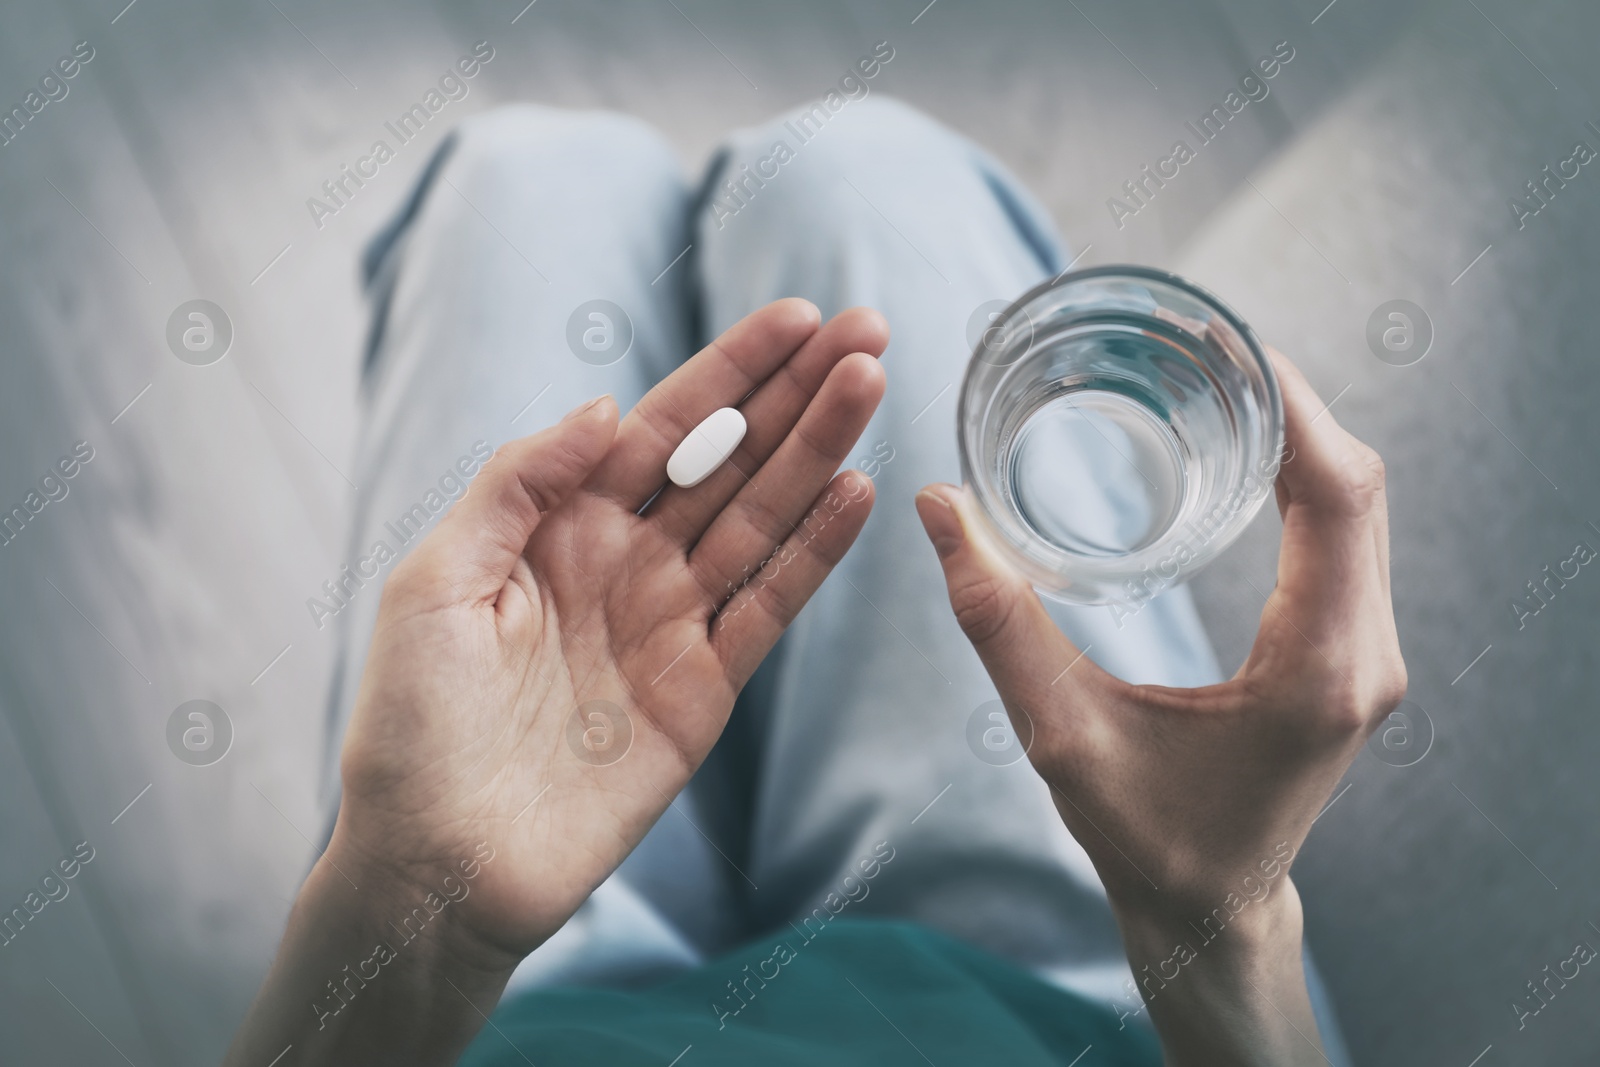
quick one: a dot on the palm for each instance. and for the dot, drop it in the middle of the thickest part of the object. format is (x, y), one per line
(552, 704)
(631, 625)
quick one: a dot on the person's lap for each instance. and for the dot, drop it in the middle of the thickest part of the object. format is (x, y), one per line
(855, 731)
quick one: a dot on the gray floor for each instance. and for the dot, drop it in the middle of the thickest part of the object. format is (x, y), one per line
(179, 564)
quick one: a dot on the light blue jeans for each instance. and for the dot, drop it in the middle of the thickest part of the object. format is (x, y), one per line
(854, 731)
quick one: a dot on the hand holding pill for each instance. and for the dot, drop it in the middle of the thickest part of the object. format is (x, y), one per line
(595, 564)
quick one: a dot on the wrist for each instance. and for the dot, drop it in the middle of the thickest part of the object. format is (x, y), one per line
(1223, 985)
(1241, 907)
(1244, 931)
(373, 969)
(415, 909)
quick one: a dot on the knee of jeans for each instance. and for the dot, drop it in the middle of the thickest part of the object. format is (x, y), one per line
(795, 157)
(515, 150)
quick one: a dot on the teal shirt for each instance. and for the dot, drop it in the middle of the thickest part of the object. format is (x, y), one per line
(867, 993)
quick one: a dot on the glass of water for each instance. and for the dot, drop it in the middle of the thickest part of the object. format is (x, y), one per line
(1119, 427)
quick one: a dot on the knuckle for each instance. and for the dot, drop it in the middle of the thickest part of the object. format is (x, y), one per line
(762, 517)
(1374, 465)
(1348, 714)
(1361, 480)
(1392, 687)
(538, 495)
(778, 605)
(1324, 703)
(814, 442)
(1353, 710)
(980, 608)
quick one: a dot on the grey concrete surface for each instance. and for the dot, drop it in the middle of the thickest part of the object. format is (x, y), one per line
(177, 567)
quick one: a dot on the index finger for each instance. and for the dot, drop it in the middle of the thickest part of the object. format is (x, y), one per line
(1333, 473)
(1333, 570)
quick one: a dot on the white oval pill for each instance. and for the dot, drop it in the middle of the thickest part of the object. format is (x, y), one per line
(706, 448)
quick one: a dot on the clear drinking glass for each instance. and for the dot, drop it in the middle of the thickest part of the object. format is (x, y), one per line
(1120, 427)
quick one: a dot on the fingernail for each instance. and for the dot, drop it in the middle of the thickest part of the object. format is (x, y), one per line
(582, 408)
(941, 522)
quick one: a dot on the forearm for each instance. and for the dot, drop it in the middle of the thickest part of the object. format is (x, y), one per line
(1235, 996)
(369, 975)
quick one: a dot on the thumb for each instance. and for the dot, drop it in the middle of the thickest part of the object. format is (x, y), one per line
(476, 545)
(1020, 645)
